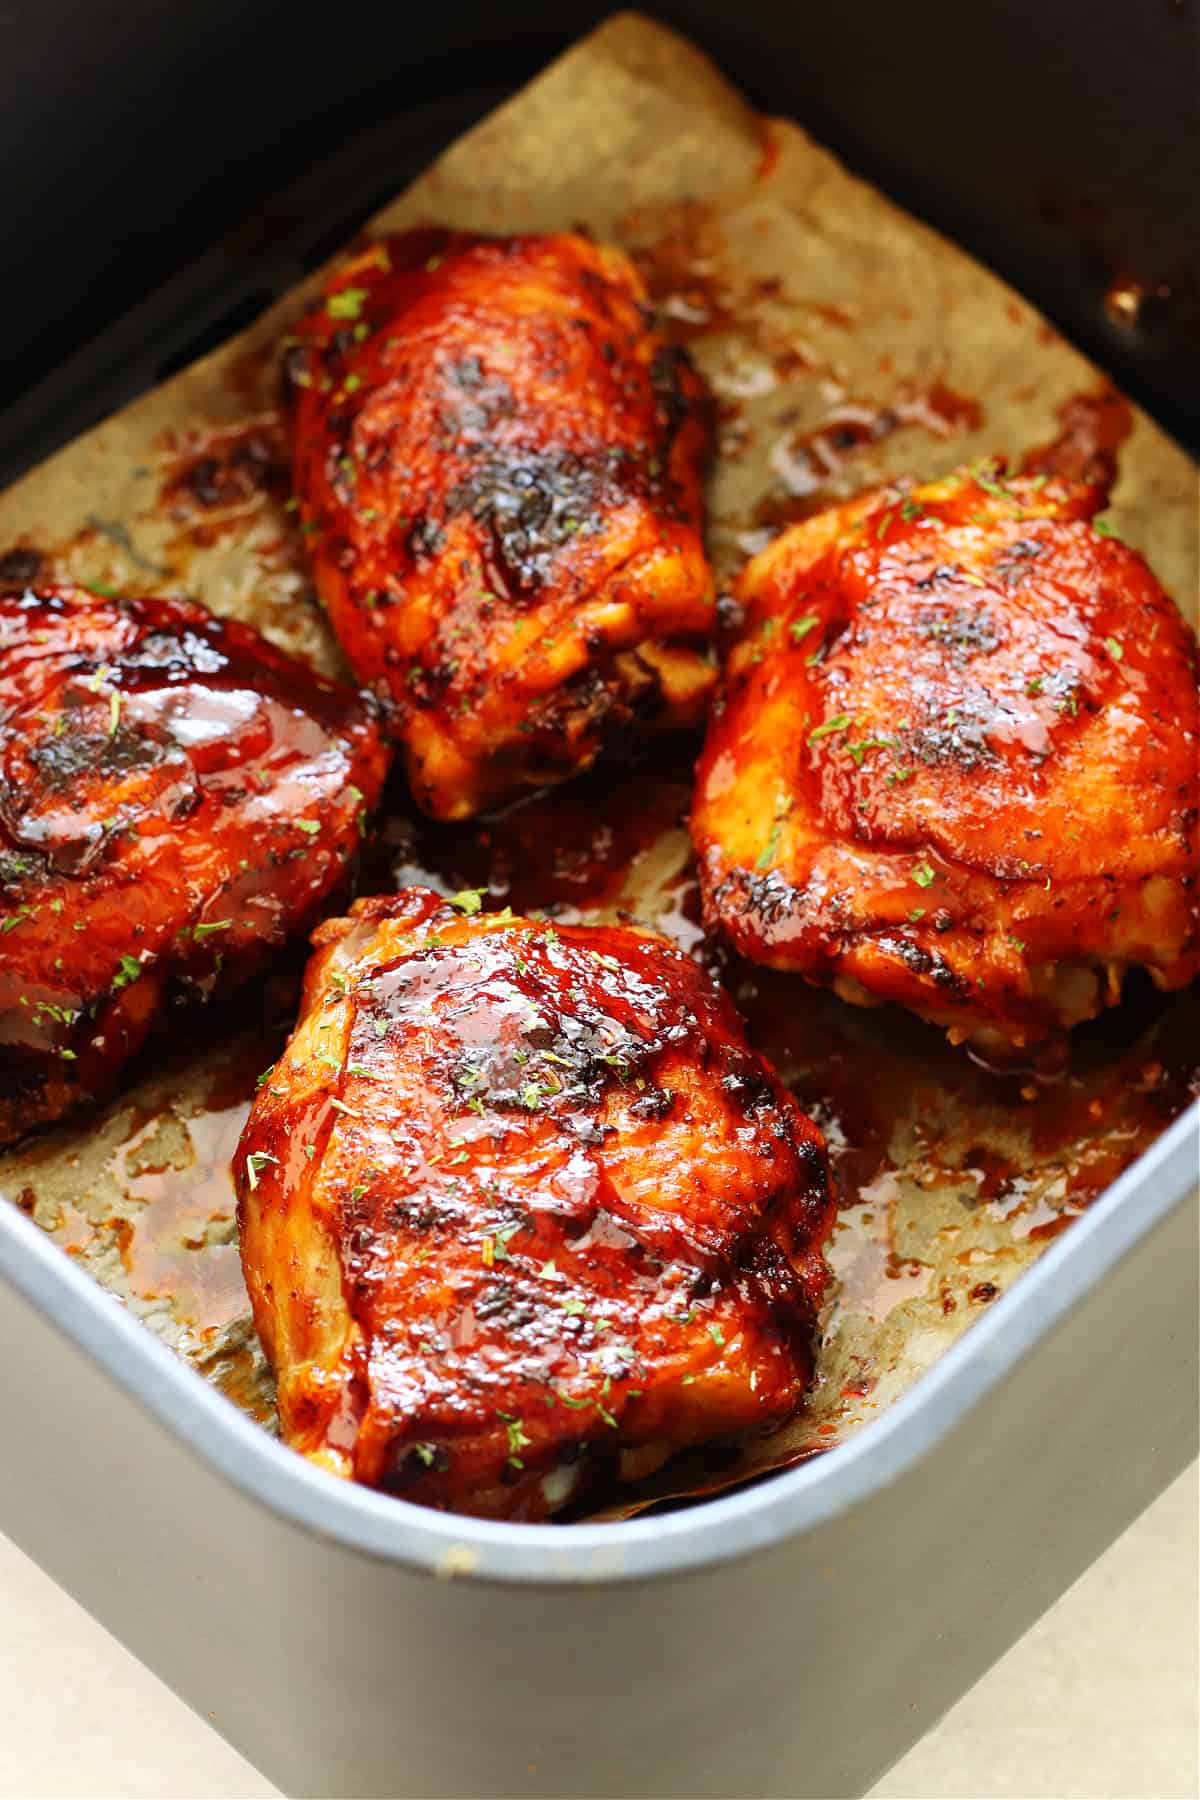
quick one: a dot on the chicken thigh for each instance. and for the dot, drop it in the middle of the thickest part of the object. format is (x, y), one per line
(177, 798)
(498, 464)
(521, 1207)
(953, 761)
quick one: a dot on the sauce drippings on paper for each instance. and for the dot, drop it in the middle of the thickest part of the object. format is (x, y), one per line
(1092, 428)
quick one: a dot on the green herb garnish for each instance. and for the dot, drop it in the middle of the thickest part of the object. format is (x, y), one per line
(469, 900)
(203, 931)
(256, 1162)
(128, 970)
(842, 722)
(347, 304)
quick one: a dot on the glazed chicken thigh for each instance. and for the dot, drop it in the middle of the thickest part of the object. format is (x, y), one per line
(498, 464)
(953, 763)
(520, 1207)
(176, 800)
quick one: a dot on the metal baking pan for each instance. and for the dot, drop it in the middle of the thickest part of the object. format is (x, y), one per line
(793, 1637)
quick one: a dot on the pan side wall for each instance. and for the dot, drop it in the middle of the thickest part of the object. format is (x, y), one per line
(807, 1669)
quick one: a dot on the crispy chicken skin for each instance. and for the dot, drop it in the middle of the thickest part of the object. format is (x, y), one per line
(177, 798)
(520, 1207)
(953, 761)
(498, 462)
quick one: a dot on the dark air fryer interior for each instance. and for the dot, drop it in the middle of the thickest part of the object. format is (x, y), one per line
(171, 168)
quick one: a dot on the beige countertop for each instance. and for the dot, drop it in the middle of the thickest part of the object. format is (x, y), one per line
(1097, 1702)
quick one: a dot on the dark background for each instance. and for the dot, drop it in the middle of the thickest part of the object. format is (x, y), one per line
(1055, 139)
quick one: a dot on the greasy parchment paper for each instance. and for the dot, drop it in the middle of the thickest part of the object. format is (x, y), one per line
(846, 344)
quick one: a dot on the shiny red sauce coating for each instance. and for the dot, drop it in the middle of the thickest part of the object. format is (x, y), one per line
(177, 801)
(574, 1212)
